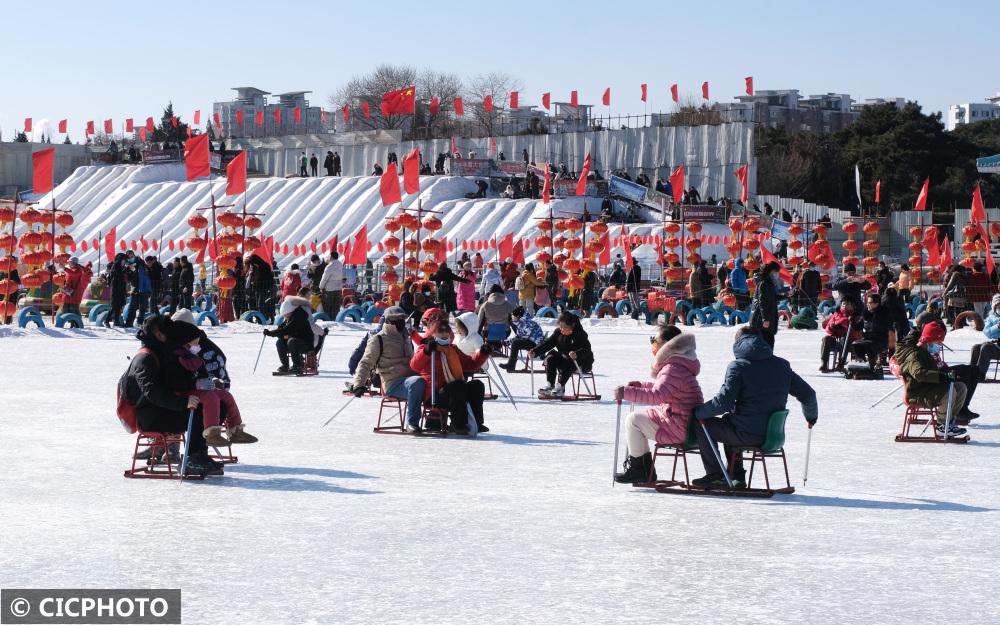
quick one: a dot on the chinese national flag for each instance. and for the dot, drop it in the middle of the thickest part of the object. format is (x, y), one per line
(197, 117)
(513, 99)
(90, 129)
(546, 184)
(215, 118)
(129, 125)
(605, 256)
(749, 81)
(741, 175)
(946, 260)
(277, 116)
(573, 99)
(643, 96)
(360, 249)
(628, 248)
(606, 98)
(411, 171)
(546, 100)
(922, 198)
(388, 186)
(27, 125)
(296, 115)
(239, 119)
(42, 165)
(459, 109)
(673, 93)
(488, 104)
(236, 175)
(322, 117)
(109, 243)
(196, 157)
(366, 109)
(142, 134)
(434, 106)
(581, 184)
(677, 184)
(62, 125)
(259, 118)
(878, 190)
(978, 214)
(506, 247)
(517, 252)
(150, 125)
(400, 102)
(704, 90)
(767, 257)
(346, 110)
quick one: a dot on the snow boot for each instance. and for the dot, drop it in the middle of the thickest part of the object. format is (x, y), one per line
(558, 391)
(545, 391)
(214, 438)
(201, 464)
(637, 469)
(282, 371)
(148, 453)
(710, 481)
(238, 437)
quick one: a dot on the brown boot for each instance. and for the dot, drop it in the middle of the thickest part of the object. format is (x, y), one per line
(237, 436)
(214, 438)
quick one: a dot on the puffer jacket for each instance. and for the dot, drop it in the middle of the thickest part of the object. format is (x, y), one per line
(466, 295)
(926, 384)
(76, 284)
(471, 342)
(528, 328)
(388, 353)
(530, 282)
(421, 364)
(496, 309)
(491, 277)
(992, 327)
(837, 324)
(577, 342)
(291, 283)
(674, 392)
(738, 278)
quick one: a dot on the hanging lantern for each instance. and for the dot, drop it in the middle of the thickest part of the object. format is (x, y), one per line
(230, 219)
(6, 215)
(820, 230)
(433, 224)
(589, 265)
(430, 246)
(64, 220)
(392, 224)
(543, 241)
(225, 282)
(196, 243)
(671, 258)
(64, 240)
(59, 279)
(543, 257)
(559, 242)
(411, 263)
(411, 245)
(428, 266)
(392, 244)
(694, 227)
(545, 225)
(795, 230)
(7, 287)
(851, 260)
(8, 241)
(575, 282)
(735, 224)
(598, 227)
(7, 264)
(559, 259)
(31, 239)
(851, 227)
(408, 221)
(796, 260)
(225, 263)
(390, 277)
(32, 280)
(694, 258)
(252, 222)
(751, 263)
(573, 243)
(573, 225)
(751, 245)
(871, 246)
(594, 246)
(390, 260)
(795, 244)
(197, 221)
(672, 227)
(871, 227)
(251, 243)
(571, 264)
(673, 273)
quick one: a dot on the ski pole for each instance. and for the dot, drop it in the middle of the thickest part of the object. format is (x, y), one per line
(886, 396)
(582, 378)
(847, 343)
(618, 428)
(809, 440)
(715, 452)
(187, 443)
(259, 351)
(502, 385)
(353, 397)
(433, 380)
(473, 425)
(531, 366)
(947, 415)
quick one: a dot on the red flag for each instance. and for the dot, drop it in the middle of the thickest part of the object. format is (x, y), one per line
(400, 102)
(767, 257)
(677, 184)
(546, 99)
(411, 171)
(434, 106)
(239, 119)
(978, 214)
(348, 251)
(196, 160)
(878, 190)
(513, 99)
(129, 125)
(606, 98)
(266, 251)
(388, 186)
(333, 243)
(459, 109)
(236, 174)
(360, 248)
(109, 243)
(215, 118)
(189, 133)
(546, 184)
(90, 128)
(704, 90)
(197, 117)
(366, 109)
(277, 116)
(346, 111)
(150, 125)
(62, 125)
(643, 88)
(741, 175)
(173, 121)
(930, 243)
(297, 115)
(506, 247)
(322, 117)
(42, 165)
(946, 260)
(442, 253)
(581, 184)
(142, 134)
(27, 125)
(749, 83)
(922, 198)
(673, 92)
(573, 99)
(488, 104)
(454, 148)
(628, 248)
(605, 256)
(990, 264)
(259, 118)
(517, 252)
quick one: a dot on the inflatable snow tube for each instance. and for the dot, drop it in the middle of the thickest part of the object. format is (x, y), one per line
(366, 307)
(827, 306)
(919, 309)
(784, 313)
(351, 313)
(682, 306)
(102, 317)
(606, 309)
(96, 310)
(74, 320)
(320, 316)
(739, 316)
(623, 307)
(254, 316)
(29, 314)
(208, 314)
(204, 303)
(695, 313)
(964, 318)
(547, 312)
(372, 313)
(783, 305)
(808, 311)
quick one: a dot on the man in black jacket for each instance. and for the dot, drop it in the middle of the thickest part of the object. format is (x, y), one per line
(810, 286)
(632, 283)
(155, 272)
(851, 286)
(875, 335)
(295, 335)
(186, 283)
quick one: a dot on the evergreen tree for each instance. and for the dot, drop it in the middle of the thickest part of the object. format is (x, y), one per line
(66, 141)
(166, 133)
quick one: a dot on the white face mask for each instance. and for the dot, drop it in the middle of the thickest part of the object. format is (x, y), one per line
(195, 349)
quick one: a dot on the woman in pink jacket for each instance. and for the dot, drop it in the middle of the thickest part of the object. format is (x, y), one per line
(672, 396)
(466, 300)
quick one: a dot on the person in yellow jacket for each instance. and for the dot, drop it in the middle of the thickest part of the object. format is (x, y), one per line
(526, 284)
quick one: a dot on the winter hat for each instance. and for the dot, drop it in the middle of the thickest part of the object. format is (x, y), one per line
(393, 313)
(932, 333)
(73, 260)
(181, 333)
(850, 268)
(185, 315)
(286, 307)
(519, 311)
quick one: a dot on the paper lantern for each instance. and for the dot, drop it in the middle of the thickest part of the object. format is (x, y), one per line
(225, 263)
(795, 230)
(672, 228)
(411, 245)
(672, 242)
(196, 243)
(64, 219)
(428, 266)
(392, 224)
(7, 286)
(225, 282)
(64, 240)
(543, 257)
(871, 227)
(751, 264)
(995, 229)
(545, 226)
(871, 246)
(573, 225)
(735, 224)
(968, 247)
(915, 247)
(197, 221)
(7, 309)
(571, 264)
(411, 263)
(390, 277)
(575, 282)
(433, 224)
(598, 227)
(673, 273)
(430, 245)
(671, 258)
(390, 260)
(851, 245)
(543, 241)
(573, 243)
(6, 215)
(820, 229)
(795, 244)
(230, 219)
(869, 261)
(968, 263)
(589, 265)
(559, 259)
(7, 241)
(252, 222)
(32, 280)
(693, 227)
(694, 258)
(392, 244)
(751, 224)
(851, 260)
(59, 279)
(851, 227)
(408, 221)
(751, 244)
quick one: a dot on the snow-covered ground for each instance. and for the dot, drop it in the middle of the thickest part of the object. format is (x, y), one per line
(522, 525)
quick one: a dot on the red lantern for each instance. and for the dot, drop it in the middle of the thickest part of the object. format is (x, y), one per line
(543, 241)
(225, 263)
(252, 222)
(7, 287)
(915, 261)
(915, 247)
(196, 243)
(58, 299)
(433, 224)
(871, 246)
(672, 228)
(916, 232)
(796, 260)
(545, 225)
(411, 245)
(408, 221)
(59, 279)
(729, 300)
(795, 230)
(672, 258)
(411, 263)
(7, 309)
(571, 264)
(968, 263)
(6, 215)
(869, 261)
(795, 244)
(575, 282)
(968, 247)
(820, 229)
(694, 258)
(390, 277)
(7, 241)
(598, 227)
(543, 257)
(851, 227)
(693, 227)
(871, 227)
(589, 265)
(995, 229)
(751, 244)
(32, 280)
(851, 245)
(225, 282)
(31, 239)
(392, 244)
(64, 219)
(969, 231)
(751, 264)
(197, 221)
(61, 259)
(673, 273)
(430, 245)
(64, 240)
(390, 260)
(428, 266)
(573, 225)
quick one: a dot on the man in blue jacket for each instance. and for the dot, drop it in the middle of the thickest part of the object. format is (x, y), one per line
(738, 284)
(757, 384)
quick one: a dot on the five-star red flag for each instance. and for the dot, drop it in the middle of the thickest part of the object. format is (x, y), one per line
(513, 99)
(741, 175)
(581, 184)
(296, 115)
(643, 88)
(388, 186)
(236, 175)
(129, 125)
(673, 93)
(978, 214)
(196, 160)
(488, 104)
(400, 102)
(90, 128)
(434, 106)
(322, 117)
(922, 197)
(704, 90)
(359, 251)
(606, 98)
(546, 100)
(259, 118)
(749, 81)
(27, 125)
(573, 99)
(42, 165)
(459, 109)
(878, 190)
(346, 110)
(946, 260)
(411, 171)
(677, 184)
(62, 125)
(239, 119)
(150, 125)
(197, 117)
(366, 109)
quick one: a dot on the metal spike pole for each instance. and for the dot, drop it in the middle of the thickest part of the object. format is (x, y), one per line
(187, 443)
(809, 440)
(618, 429)
(259, 351)
(344, 407)
(715, 452)
(886, 396)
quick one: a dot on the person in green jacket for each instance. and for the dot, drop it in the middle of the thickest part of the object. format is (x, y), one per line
(926, 383)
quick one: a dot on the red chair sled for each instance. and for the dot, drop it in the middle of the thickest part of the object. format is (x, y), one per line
(487, 382)
(580, 381)
(918, 415)
(386, 423)
(679, 452)
(434, 421)
(225, 458)
(155, 468)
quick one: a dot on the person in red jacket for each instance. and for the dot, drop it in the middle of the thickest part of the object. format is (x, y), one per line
(76, 283)
(837, 326)
(291, 282)
(451, 367)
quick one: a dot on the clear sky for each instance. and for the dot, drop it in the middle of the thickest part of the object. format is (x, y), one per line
(95, 60)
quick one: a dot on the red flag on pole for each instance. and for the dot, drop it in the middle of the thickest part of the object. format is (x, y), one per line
(677, 184)
(946, 260)
(109, 243)
(346, 110)
(749, 84)
(488, 104)
(333, 243)
(546, 184)
(411, 171)
(513, 99)
(573, 99)
(389, 186)
(43, 166)
(978, 214)
(266, 251)
(150, 125)
(399, 102)
(236, 174)
(922, 197)
(604, 258)
(129, 125)
(259, 118)
(741, 175)
(62, 125)
(546, 99)
(142, 134)
(506, 247)
(878, 190)
(277, 116)
(27, 125)
(517, 252)
(215, 118)
(434, 106)
(360, 248)
(767, 257)
(366, 109)
(930, 243)
(990, 264)
(173, 121)
(459, 109)
(297, 115)
(581, 184)
(239, 119)
(322, 117)
(673, 93)
(704, 90)
(197, 117)
(643, 89)
(628, 248)
(196, 160)
(90, 128)
(606, 98)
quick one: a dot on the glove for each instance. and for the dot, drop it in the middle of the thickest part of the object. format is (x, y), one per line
(431, 347)
(811, 423)
(951, 376)
(358, 391)
(268, 332)
(619, 393)
(486, 349)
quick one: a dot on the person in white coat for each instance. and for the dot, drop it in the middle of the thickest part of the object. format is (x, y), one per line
(490, 277)
(331, 285)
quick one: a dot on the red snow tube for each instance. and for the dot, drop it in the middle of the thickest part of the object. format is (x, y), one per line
(968, 315)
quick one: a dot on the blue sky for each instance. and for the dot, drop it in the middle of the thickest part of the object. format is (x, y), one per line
(95, 60)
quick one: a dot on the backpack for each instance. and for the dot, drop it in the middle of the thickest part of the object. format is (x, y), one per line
(125, 406)
(519, 284)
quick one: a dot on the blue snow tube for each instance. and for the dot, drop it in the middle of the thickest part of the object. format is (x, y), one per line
(807, 310)
(366, 307)
(547, 312)
(74, 320)
(712, 315)
(320, 316)
(29, 314)
(96, 310)
(208, 314)
(254, 316)
(783, 305)
(102, 317)
(683, 306)
(204, 303)
(920, 308)
(604, 309)
(827, 306)
(695, 313)
(351, 313)
(371, 313)
(739, 316)
(623, 307)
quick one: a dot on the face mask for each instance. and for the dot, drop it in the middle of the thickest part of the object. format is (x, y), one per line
(441, 341)
(195, 349)
(427, 293)
(565, 332)
(654, 349)
(934, 348)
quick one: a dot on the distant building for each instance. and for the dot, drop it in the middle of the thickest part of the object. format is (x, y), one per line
(250, 101)
(785, 108)
(972, 112)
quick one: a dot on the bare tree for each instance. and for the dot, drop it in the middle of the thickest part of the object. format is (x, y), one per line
(443, 86)
(370, 88)
(690, 113)
(498, 86)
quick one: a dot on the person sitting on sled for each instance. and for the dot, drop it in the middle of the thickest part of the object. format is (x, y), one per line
(467, 338)
(757, 384)
(295, 335)
(564, 350)
(451, 366)
(527, 335)
(875, 331)
(671, 396)
(926, 381)
(837, 326)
